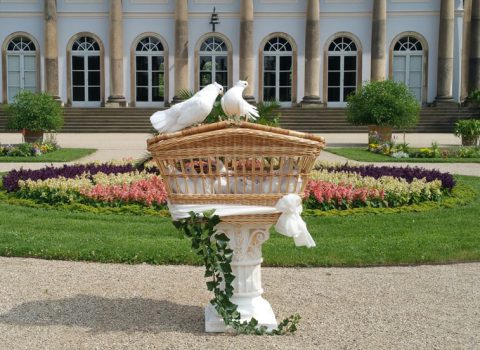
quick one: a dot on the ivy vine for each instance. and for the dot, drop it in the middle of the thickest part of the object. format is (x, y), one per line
(217, 258)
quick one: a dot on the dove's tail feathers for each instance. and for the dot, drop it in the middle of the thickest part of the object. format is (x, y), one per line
(252, 112)
(163, 121)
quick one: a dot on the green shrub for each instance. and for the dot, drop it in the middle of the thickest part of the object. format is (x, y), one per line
(469, 130)
(34, 112)
(383, 103)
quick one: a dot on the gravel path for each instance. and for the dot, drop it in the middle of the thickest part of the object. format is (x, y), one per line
(75, 305)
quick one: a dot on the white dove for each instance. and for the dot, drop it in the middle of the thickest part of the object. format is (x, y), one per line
(220, 184)
(189, 112)
(234, 105)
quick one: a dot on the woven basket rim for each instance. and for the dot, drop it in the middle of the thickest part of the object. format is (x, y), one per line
(232, 124)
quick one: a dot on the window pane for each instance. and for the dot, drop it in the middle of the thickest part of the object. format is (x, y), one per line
(12, 92)
(334, 63)
(205, 78)
(77, 63)
(206, 63)
(285, 94)
(347, 91)
(350, 63)
(94, 93)
(142, 62)
(333, 94)
(286, 63)
(157, 63)
(29, 63)
(30, 79)
(79, 93)
(14, 79)
(157, 78)
(142, 94)
(157, 94)
(78, 78)
(94, 78)
(269, 79)
(334, 79)
(94, 62)
(285, 79)
(269, 62)
(399, 63)
(13, 62)
(142, 78)
(350, 79)
(416, 63)
(415, 79)
(417, 92)
(269, 94)
(221, 78)
(399, 77)
(221, 63)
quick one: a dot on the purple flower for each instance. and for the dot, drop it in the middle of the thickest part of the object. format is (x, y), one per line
(10, 181)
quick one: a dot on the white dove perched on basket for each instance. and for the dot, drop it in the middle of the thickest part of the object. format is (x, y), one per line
(187, 113)
(234, 105)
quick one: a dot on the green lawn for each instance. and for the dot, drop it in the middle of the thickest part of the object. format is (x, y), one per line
(362, 155)
(436, 236)
(61, 155)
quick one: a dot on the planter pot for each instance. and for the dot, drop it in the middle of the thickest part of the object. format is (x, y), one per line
(32, 136)
(470, 140)
(380, 134)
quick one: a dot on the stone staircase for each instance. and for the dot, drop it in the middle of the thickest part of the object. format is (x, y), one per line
(328, 120)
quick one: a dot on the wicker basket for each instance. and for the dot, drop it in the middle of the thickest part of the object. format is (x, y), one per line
(234, 163)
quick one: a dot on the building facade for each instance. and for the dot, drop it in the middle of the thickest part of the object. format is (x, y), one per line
(92, 53)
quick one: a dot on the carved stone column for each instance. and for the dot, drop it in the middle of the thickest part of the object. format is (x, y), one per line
(51, 49)
(117, 97)
(246, 241)
(247, 57)
(312, 55)
(445, 52)
(466, 37)
(475, 47)
(379, 32)
(181, 48)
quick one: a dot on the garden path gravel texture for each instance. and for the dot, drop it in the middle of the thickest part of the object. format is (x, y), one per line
(75, 305)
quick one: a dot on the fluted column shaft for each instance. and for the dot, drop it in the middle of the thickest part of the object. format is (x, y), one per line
(247, 57)
(445, 51)
(51, 49)
(467, 16)
(181, 47)
(312, 54)
(475, 47)
(379, 32)
(117, 97)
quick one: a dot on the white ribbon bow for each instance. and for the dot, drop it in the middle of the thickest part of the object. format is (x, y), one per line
(290, 223)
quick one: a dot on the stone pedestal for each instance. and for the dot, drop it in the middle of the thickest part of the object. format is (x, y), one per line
(246, 242)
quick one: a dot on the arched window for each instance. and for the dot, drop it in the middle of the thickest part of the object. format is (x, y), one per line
(408, 64)
(86, 71)
(213, 62)
(342, 70)
(277, 70)
(149, 71)
(21, 64)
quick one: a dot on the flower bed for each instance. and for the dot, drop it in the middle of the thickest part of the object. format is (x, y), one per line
(402, 150)
(27, 149)
(331, 187)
